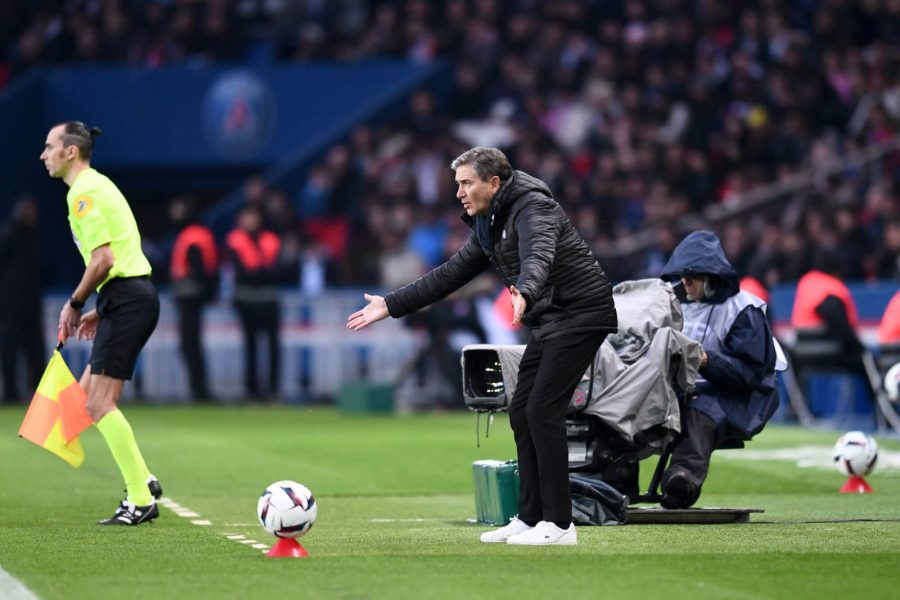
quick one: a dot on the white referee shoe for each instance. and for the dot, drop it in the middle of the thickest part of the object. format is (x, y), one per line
(499, 536)
(545, 533)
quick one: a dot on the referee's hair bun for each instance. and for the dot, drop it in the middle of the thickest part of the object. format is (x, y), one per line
(95, 131)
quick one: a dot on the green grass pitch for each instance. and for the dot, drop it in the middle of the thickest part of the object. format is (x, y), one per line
(394, 494)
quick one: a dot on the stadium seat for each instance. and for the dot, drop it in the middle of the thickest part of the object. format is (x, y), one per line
(834, 389)
(888, 356)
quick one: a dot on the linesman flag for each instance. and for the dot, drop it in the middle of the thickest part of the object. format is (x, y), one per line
(58, 413)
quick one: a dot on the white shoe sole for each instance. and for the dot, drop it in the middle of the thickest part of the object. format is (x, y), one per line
(489, 541)
(558, 543)
(502, 540)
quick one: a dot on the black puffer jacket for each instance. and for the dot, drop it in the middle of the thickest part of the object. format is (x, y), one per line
(537, 249)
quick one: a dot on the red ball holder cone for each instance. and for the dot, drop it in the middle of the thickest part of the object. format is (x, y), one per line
(856, 485)
(287, 548)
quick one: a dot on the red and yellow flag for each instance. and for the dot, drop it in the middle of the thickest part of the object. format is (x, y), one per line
(58, 413)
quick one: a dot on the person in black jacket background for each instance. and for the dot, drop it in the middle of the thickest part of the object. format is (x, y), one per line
(194, 277)
(558, 290)
(260, 267)
(21, 306)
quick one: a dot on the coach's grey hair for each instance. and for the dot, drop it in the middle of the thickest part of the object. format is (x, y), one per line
(487, 162)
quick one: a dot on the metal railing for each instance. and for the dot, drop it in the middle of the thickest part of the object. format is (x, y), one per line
(319, 355)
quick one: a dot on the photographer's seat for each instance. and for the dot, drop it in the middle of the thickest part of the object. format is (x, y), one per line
(833, 384)
(822, 366)
(889, 407)
(888, 356)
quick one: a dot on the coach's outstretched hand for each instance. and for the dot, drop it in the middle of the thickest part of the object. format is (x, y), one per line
(373, 312)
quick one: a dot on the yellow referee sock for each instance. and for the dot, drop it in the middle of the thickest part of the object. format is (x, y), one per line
(120, 439)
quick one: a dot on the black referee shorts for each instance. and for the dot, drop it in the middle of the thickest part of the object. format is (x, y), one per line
(129, 310)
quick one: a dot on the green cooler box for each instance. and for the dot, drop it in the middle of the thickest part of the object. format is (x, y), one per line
(366, 397)
(496, 490)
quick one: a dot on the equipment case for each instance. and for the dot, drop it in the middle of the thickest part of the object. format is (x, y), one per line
(496, 490)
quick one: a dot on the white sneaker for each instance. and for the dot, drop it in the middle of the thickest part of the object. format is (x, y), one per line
(545, 533)
(499, 536)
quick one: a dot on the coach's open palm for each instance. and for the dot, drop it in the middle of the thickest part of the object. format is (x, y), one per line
(373, 312)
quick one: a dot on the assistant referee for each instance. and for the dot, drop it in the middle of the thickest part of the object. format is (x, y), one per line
(108, 239)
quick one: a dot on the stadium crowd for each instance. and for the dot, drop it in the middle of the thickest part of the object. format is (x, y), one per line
(636, 113)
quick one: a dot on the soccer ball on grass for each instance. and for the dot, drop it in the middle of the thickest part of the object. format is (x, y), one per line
(287, 509)
(855, 453)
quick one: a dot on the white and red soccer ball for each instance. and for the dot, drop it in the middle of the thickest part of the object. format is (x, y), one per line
(855, 453)
(287, 509)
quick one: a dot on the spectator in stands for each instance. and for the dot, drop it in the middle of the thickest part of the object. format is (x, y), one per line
(21, 306)
(259, 270)
(889, 334)
(825, 319)
(655, 109)
(558, 289)
(887, 259)
(889, 327)
(735, 393)
(194, 277)
(255, 191)
(398, 263)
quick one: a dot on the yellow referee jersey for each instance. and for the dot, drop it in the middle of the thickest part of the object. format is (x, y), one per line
(98, 215)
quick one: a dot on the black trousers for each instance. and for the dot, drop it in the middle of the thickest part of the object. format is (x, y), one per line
(548, 374)
(21, 339)
(264, 318)
(190, 322)
(694, 448)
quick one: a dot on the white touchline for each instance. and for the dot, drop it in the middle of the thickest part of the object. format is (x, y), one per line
(807, 456)
(13, 589)
(181, 511)
(401, 520)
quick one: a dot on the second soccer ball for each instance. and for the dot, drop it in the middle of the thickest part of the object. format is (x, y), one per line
(855, 453)
(287, 509)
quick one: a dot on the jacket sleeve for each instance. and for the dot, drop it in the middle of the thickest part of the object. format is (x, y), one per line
(748, 357)
(440, 282)
(537, 226)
